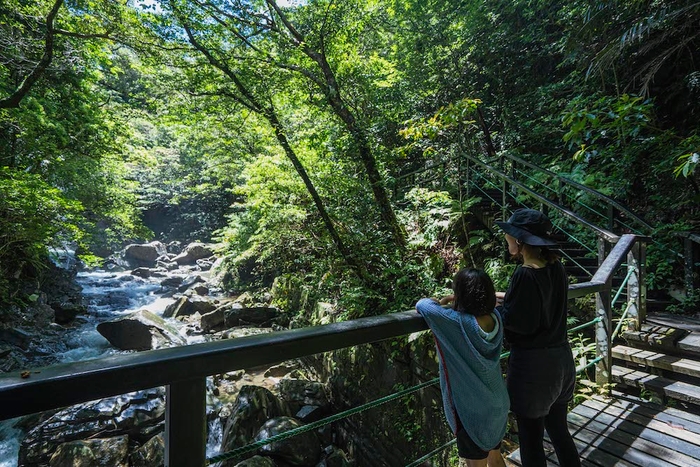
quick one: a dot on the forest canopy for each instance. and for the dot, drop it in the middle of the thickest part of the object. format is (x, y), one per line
(280, 129)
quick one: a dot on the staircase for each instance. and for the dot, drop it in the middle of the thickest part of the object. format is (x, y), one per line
(660, 362)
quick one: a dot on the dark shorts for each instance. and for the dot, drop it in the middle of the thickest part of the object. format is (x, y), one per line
(468, 449)
(540, 378)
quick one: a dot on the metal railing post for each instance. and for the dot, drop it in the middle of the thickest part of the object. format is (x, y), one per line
(186, 423)
(604, 327)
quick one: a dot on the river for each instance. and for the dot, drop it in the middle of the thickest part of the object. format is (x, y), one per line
(108, 295)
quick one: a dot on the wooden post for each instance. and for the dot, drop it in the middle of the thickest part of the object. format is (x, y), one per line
(604, 327)
(636, 286)
(611, 217)
(186, 423)
(689, 265)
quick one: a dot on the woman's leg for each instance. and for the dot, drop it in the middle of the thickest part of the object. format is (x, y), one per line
(495, 459)
(558, 431)
(530, 435)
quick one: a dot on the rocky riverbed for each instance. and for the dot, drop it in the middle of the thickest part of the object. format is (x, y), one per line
(153, 296)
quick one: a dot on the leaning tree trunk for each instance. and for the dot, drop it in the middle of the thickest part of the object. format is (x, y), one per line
(252, 102)
(329, 87)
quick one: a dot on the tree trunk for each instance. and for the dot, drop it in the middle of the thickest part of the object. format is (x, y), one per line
(331, 90)
(250, 101)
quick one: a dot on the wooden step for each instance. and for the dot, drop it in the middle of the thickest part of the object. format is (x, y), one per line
(656, 335)
(664, 386)
(658, 360)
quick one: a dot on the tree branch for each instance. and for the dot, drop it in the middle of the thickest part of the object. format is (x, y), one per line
(13, 101)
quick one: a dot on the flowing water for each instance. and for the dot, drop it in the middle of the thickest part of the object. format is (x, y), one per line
(109, 295)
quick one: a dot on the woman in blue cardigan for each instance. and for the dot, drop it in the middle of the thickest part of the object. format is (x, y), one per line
(468, 338)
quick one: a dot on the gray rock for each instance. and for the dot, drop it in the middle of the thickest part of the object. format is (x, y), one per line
(167, 265)
(174, 247)
(141, 330)
(188, 306)
(66, 312)
(201, 289)
(190, 281)
(212, 320)
(172, 281)
(193, 252)
(252, 408)
(107, 452)
(15, 336)
(302, 449)
(205, 264)
(151, 454)
(310, 413)
(141, 272)
(143, 254)
(258, 315)
(299, 392)
(137, 414)
(334, 457)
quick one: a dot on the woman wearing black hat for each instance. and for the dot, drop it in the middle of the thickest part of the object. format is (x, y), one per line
(541, 370)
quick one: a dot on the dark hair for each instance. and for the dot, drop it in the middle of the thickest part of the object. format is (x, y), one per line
(474, 292)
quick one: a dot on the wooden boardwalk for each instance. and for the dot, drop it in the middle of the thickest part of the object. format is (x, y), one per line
(627, 432)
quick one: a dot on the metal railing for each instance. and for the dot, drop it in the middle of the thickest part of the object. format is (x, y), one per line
(183, 370)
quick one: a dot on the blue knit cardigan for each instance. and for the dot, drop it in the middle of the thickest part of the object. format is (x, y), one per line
(473, 389)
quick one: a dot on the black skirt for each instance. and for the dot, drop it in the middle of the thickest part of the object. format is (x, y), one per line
(540, 378)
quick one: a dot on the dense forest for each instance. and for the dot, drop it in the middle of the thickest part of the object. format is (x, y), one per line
(278, 129)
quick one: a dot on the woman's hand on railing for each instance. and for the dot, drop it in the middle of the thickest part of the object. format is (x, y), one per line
(499, 297)
(446, 300)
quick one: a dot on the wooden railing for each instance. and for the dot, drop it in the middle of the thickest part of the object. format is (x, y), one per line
(183, 370)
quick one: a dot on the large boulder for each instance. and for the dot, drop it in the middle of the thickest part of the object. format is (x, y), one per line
(212, 320)
(252, 408)
(140, 415)
(107, 452)
(151, 454)
(238, 315)
(302, 449)
(193, 252)
(188, 306)
(143, 254)
(299, 392)
(141, 330)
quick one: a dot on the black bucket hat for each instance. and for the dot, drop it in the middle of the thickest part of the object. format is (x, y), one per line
(530, 226)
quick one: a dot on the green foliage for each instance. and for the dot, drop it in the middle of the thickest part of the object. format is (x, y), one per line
(596, 126)
(33, 216)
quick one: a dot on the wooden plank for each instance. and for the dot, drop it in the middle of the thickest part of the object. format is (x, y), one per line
(690, 343)
(515, 457)
(674, 389)
(674, 321)
(607, 451)
(672, 411)
(552, 460)
(660, 422)
(657, 360)
(655, 443)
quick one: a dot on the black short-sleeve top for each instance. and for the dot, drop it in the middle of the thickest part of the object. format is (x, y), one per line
(534, 307)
